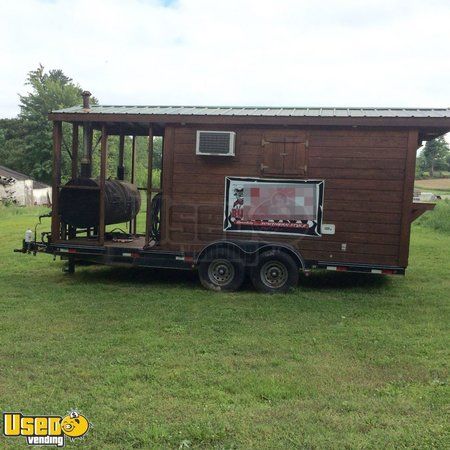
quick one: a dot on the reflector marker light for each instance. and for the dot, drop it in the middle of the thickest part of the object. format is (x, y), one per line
(388, 271)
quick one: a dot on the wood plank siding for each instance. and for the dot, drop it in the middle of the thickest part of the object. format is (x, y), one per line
(368, 187)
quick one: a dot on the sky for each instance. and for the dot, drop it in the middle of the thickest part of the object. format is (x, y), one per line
(233, 52)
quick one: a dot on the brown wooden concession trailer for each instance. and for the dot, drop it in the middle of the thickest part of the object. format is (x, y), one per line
(264, 191)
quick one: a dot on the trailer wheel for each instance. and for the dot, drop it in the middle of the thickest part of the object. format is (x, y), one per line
(221, 270)
(276, 272)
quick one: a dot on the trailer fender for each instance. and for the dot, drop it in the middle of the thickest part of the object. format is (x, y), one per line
(250, 249)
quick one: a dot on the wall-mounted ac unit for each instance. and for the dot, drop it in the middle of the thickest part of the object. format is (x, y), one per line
(217, 143)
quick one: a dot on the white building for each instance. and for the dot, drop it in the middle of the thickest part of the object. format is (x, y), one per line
(23, 190)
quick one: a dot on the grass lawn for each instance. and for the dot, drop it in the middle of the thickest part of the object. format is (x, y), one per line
(155, 361)
(436, 185)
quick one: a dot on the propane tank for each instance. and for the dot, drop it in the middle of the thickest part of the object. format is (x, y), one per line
(28, 236)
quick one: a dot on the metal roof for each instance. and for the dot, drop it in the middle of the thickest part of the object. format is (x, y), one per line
(9, 173)
(261, 111)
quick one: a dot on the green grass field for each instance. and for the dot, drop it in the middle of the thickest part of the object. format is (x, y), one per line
(154, 361)
(438, 186)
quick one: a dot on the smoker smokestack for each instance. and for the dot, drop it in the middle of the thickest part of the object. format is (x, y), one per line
(86, 161)
(86, 95)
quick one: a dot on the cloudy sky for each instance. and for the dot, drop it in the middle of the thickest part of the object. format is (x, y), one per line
(233, 52)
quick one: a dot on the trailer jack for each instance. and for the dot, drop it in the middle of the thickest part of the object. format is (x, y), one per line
(69, 267)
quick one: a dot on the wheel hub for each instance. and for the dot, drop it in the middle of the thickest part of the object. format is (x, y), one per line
(221, 271)
(274, 274)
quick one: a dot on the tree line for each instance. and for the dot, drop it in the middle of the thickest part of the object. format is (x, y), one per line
(434, 159)
(26, 140)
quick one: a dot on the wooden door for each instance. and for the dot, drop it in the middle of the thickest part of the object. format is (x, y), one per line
(283, 156)
(294, 158)
(272, 156)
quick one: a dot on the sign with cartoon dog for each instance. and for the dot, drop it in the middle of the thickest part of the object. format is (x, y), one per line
(259, 205)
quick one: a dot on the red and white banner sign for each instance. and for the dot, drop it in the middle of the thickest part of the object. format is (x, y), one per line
(273, 206)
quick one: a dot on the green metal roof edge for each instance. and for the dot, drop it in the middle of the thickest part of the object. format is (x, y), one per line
(79, 108)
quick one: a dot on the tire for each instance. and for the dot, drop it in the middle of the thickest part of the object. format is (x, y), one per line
(276, 272)
(221, 270)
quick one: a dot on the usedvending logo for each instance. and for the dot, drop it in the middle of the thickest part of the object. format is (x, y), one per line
(45, 430)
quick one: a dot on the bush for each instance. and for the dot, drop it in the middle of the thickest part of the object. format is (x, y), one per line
(8, 201)
(438, 219)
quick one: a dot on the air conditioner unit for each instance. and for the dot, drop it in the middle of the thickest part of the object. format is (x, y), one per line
(217, 143)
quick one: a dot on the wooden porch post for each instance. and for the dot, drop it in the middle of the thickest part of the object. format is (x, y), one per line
(148, 221)
(103, 165)
(90, 144)
(74, 150)
(133, 179)
(57, 140)
(120, 167)
(133, 161)
(86, 161)
(408, 191)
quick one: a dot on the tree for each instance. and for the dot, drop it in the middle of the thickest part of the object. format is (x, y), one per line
(435, 153)
(421, 165)
(12, 146)
(141, 158)
(26, 141)
(49, 91)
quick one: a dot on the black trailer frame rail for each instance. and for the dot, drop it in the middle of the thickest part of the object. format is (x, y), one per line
(110, 255)
(164, 259)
